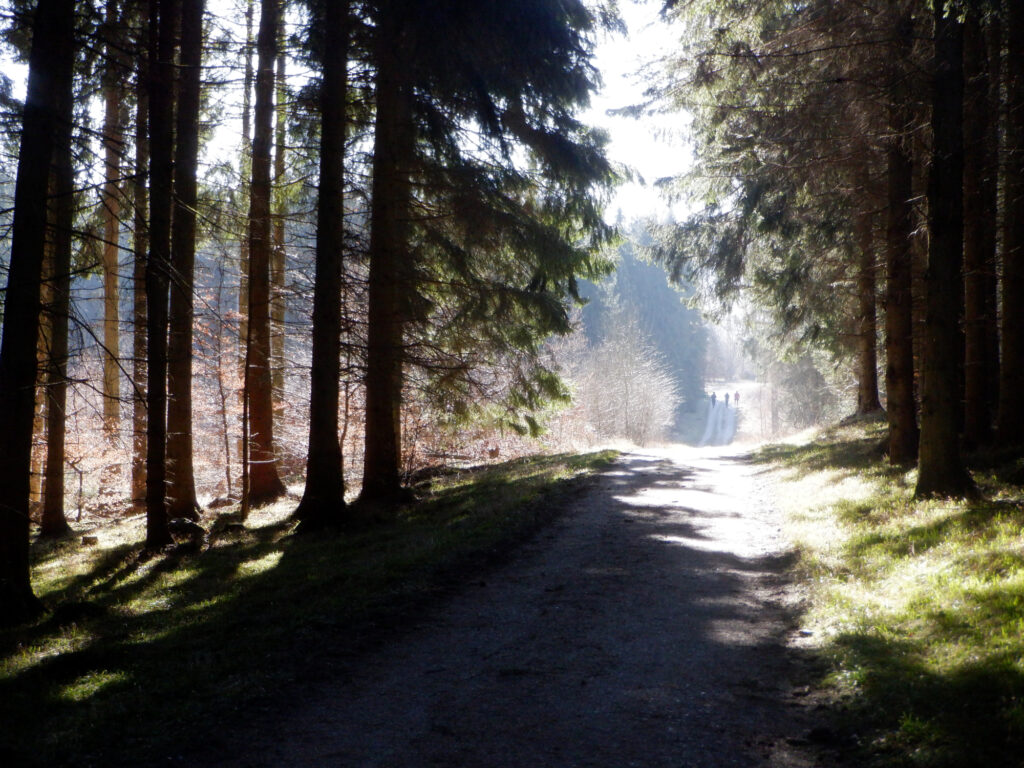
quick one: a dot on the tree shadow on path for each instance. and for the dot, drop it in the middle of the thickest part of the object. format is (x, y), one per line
(646, 626)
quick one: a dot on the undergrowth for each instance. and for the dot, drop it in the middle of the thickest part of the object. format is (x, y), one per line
(917, 606)
(141, 658)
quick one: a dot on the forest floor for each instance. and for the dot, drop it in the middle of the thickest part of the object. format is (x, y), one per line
(652, 624)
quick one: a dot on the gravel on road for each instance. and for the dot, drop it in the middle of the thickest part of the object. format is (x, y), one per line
(648, 626)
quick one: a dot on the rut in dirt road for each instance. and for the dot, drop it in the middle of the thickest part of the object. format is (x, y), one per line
(645, 628)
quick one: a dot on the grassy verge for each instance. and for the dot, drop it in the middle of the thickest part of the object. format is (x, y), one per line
(917, 607)
(142, 655)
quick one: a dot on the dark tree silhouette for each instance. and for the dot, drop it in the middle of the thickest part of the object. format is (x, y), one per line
(181, 488)
(50, 67)
(163, 17)
(940, 468)
(53, 523)
(1010, 423)
(140, 247)
(323, 502)
(899, 324)
(264, 482)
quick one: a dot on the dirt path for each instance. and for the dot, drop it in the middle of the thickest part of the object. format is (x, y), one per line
(645, 628)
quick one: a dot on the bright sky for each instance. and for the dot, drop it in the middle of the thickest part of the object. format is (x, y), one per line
(652, 146)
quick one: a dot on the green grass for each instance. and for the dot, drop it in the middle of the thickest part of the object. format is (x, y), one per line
(142, 655)
(917, 606)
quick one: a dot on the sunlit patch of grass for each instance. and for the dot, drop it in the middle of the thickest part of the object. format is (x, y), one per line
(917, 606)
(222, 625)
(89, 685)
(271, 515)
(66, 640)
(258, 565)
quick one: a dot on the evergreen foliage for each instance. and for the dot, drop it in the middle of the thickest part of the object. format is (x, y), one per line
(487, 200)
(816, 122)
(785, 102)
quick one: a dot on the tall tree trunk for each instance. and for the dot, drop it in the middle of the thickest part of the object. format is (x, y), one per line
(867, 340)
(979, 234)
(181, 489)
(39, 406)
(941, 471)
(899, 323)
(323, 502)
(163, 21)
(53, 522)
(50, 68)
(1010, 425)
(899, 326)
(994, 42)
(113, 144)
(277, 254)
(140, 246)
(264, 483)
(389, 262)
(246, 161)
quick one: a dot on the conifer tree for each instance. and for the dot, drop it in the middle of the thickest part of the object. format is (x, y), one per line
(50, 70)
(264, 482)
(901, 405)
(140, 248)
(323, 501)
(53, 522)
(458, 236)
(788, 170)
(940, 468)
(981, 104)
(113, 148)
(1010, 421)
(163, 18)
(181, 490)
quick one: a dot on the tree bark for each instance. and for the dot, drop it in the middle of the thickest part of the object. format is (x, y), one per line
(994, 41)
(867, 338)
(50, 67)
(43, 342)
(264, 483)
(246, 160)
(899, 322)
(140, 246)
(941, 471)
(163, 20)
(899, 326)
(113, 144)
(278, 305)
(979, 235)
(35, 494)
(1010, 424)
(53, 522)
(323, 502)
(389, 262)
(181, 489)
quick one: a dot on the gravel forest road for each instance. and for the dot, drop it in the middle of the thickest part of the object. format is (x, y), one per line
(647, 626)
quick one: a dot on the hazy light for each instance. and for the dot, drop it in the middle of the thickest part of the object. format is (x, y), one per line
(652, 146)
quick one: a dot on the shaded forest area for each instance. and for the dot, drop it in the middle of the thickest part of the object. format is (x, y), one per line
(250, 244)
(256, 241)
(858, 175)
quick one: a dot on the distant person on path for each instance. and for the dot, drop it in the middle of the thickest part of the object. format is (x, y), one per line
(726, 399)
(736, 400)
(714, 397)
